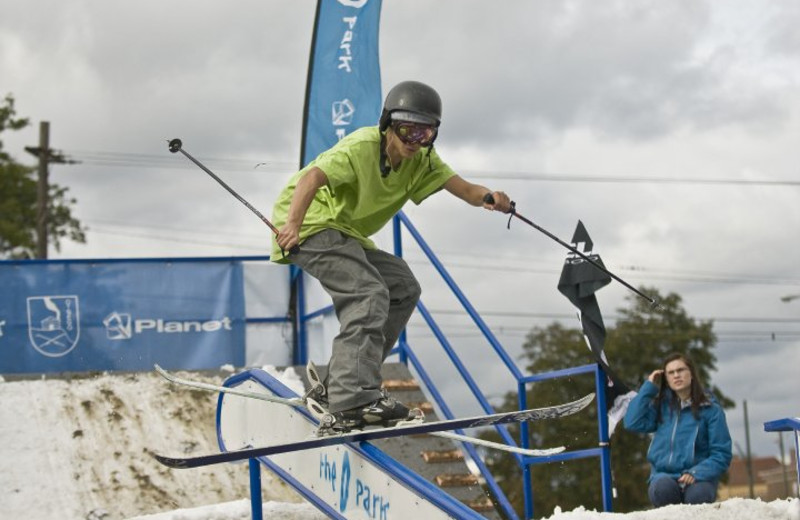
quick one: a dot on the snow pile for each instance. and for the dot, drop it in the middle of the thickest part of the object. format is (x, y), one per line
(288, 377)
(80, 449)
(240, 510)
(732, 509)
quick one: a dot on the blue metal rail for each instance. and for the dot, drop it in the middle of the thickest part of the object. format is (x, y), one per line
(406, 354)
(602, 451)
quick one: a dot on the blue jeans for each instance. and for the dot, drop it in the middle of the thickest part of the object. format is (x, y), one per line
(666, 490)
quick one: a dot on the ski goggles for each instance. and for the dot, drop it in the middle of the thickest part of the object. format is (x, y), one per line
(414, 133)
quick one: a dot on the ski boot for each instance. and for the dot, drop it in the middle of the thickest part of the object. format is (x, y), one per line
(385, 412)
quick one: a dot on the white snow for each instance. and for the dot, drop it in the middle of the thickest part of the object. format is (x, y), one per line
(79, 449)
(732, 509)
(239, 510)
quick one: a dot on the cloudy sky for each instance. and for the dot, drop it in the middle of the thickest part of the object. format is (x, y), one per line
(669, 128)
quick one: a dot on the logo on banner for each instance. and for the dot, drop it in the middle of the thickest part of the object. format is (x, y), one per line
(118, 326)
(366, 495)
(121, 326)
(345, 45)
(53, 324)
(342, 112)
(2, 324)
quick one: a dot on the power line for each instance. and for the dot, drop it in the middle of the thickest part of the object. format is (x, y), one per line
(554, 177)
(126, 159)
(141, 160)
(178, 229)
(174, 239)
(440, 311)
(678, 276)
(724, 337)
(686, 277)
(552, 315)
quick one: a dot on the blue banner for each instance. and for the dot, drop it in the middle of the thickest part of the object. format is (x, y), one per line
(125, 315)
(344, 78)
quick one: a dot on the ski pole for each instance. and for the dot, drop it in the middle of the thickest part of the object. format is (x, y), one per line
(489, 199)
(176, 145)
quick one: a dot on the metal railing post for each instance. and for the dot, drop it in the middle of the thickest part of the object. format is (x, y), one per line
(603, 451)
(300, 354)
(603, 437)
(256, 507)
(524, 441)
(402, 340)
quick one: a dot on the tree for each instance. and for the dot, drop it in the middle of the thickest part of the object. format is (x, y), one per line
(18, 199)
(636, 345)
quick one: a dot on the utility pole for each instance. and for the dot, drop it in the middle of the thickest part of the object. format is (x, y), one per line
(46, 156)
(749, 460)
(783, 466)
(42, 189)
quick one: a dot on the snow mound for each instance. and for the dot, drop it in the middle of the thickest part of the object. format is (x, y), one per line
(240, 510)
(731, 509)
(80, 448)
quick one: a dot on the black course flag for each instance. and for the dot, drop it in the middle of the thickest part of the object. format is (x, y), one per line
(579, 282)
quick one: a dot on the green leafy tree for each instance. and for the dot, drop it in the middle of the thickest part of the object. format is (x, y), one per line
(18, 200)
(635, 346)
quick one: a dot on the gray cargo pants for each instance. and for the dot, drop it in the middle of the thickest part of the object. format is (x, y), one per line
(374, 294)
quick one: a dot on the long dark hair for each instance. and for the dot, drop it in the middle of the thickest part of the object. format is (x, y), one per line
(697, 391)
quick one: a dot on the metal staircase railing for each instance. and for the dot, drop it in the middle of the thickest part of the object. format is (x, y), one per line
(406, 355)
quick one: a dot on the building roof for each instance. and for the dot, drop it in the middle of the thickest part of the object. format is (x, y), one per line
(738, 469)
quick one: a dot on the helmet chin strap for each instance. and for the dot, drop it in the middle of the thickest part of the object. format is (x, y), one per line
(386, 161)
(386, 167)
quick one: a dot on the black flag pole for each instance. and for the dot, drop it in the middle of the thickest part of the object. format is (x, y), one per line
(490, 200)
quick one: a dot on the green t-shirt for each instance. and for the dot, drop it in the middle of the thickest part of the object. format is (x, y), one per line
(357, 200)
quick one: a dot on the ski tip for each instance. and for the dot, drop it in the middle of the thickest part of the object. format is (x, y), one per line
(170, 462)
(585, 401)
(163, 373)
(550, 451)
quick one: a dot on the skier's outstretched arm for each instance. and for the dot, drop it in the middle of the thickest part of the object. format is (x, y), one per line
(475, 194)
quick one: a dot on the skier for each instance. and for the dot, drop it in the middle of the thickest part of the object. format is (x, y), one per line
(691, 445)
(331, 207)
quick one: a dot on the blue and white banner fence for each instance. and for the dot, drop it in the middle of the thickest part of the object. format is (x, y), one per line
(84, 315)
(127, 314)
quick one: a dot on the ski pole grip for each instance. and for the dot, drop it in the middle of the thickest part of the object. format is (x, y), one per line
(489, 199)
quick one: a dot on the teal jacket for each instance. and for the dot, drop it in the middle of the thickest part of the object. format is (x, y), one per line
(681, 444)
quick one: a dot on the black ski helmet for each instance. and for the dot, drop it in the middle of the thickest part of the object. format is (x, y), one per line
(411, 101)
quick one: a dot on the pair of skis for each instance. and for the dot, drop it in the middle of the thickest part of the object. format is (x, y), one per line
(438, 428)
